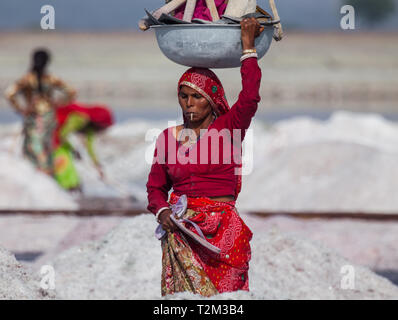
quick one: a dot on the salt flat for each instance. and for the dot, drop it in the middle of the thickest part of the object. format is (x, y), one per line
(344, 163)
(125, 264)
(326, 71)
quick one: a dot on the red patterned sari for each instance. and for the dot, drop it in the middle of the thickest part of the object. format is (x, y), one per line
(188, 266)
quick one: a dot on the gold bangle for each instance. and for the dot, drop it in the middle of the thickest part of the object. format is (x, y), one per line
(249, 51)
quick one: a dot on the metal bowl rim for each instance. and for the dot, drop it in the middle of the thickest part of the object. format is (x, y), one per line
(199, 26)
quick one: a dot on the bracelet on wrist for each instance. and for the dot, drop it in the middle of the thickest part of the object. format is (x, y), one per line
(246, 51)
(157, 216)
(248, 55)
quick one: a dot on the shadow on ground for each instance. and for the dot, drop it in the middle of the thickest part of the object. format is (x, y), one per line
(391, 275)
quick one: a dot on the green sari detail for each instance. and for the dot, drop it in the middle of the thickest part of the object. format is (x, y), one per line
(65, 172)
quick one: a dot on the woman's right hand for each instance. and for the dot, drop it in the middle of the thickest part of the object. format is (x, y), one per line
(167, 224)
(250, 29)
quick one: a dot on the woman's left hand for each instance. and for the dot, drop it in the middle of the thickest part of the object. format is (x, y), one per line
(100, 171)
(166, 222)
(250, 29)
(76, 154)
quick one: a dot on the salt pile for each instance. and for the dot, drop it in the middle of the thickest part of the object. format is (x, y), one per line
(126, 264)
(15, 281)
(121, 150)
(23, 187)
(288, 267)
(373, 244)
(347, 163)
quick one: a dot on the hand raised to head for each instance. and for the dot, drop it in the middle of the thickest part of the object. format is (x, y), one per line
(250, 29)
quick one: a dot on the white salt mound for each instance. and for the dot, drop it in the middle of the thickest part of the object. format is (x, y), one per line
(126, 264)
(346, 163)
(122, 150)
(288, 267)
(16, 283)
(23, 187)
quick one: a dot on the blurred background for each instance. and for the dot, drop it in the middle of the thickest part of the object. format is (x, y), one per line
(319, 67)
(325, 138)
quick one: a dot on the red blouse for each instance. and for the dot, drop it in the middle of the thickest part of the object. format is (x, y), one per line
(209, 168)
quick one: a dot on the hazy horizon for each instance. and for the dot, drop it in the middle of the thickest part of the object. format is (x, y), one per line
(103, 15)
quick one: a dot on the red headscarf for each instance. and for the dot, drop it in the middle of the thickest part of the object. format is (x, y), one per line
(100, 117)
(208, 85)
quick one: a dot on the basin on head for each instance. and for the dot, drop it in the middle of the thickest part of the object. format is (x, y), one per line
(207, 45)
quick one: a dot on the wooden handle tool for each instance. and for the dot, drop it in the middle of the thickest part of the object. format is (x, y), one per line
(211, 5)
(278, 34)
(189, 10)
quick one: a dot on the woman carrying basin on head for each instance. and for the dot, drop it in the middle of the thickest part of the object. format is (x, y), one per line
(210, 179)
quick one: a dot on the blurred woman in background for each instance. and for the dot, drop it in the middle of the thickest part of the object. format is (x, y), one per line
(86, 121)
(38, 89)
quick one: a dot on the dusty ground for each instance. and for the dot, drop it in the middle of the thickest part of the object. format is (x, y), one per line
(371, 244)
(289, 260)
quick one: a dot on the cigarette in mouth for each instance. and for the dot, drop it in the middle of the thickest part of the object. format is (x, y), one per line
(191, 116)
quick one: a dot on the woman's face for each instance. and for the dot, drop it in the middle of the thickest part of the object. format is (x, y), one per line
(195, 107)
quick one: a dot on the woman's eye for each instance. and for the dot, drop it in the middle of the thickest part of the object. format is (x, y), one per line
(197, 96)
(183, 96)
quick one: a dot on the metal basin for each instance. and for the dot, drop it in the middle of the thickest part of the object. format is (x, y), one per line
(207, 45)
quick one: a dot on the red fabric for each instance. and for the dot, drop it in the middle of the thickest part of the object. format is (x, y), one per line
(222, 227)
(201, 10)
(200, 179)
(100, 116)
(207, 83)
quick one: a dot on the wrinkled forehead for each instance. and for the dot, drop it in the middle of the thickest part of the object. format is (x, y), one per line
(202, 92)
